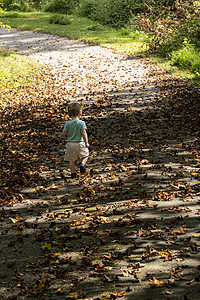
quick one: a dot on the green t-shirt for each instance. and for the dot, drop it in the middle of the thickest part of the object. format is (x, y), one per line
(73, 129)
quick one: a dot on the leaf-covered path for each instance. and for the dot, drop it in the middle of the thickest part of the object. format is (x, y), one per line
(128, 229)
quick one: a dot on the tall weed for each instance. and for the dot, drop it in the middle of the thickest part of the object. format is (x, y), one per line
(59, 19)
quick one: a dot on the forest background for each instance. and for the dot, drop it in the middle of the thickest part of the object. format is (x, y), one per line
(165, 31)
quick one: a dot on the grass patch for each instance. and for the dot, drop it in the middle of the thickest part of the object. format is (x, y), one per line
(13, 15)
(175, 70)
(16, 71)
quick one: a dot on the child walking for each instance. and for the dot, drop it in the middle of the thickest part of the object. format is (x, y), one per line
(77, 139)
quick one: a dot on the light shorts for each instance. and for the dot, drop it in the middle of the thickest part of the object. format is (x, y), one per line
(75, 150)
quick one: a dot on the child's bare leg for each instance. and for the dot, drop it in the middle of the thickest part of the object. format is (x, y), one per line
(84, 160)
(82, 165)
(72, 166)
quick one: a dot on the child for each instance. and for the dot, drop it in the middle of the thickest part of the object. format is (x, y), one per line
(77, 139)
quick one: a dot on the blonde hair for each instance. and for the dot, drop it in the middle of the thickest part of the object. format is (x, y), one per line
(74, 109)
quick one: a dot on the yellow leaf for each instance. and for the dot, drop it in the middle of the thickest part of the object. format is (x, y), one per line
(46, 246)
(179, 230)
(167, 292)
(196, 235)
(72, 296)
(104, 219)
(76, 223)
(104, 295)
(107, 269)
(40, 286)
(165, 253)
(15, 248)
(18, 219)
(122, 294)
(157, 283)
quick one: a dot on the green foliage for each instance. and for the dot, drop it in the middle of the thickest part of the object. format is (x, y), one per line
(61, 6)
(125, 31)
(2, 13)
(167, 27)
(115, 13)
(19, 5)
(59, 19)
(187, 58)
(86, 8)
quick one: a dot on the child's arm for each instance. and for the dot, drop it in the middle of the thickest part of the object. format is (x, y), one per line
(85, 137)
(64, 133)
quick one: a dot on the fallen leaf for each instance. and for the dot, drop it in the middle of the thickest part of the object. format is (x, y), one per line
(179, 230)
(157, 283)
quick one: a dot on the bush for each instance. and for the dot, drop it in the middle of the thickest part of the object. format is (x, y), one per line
(86, 8)
(168, 26)
(19, 5)
(115, 13)
(61, 6)
(187, 58)
(59, 19)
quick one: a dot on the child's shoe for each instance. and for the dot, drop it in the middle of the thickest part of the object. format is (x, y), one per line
(82, 169)
(73, 175)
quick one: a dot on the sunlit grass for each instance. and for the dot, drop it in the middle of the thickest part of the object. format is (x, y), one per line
(166, 64)
(16, 71)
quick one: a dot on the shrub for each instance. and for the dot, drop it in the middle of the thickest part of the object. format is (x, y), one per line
(59, 19)
(187, 58)
(168, 26)
(125, 31)
(61, 6)
(86, 8)
(196, 67)
(20, 5)
(115, 13)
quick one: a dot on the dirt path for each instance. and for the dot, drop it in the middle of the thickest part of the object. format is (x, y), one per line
(81, 67)
(130, 228)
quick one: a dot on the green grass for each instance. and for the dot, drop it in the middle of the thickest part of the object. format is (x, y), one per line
(167, 65)
(16, 71)
(127, 41)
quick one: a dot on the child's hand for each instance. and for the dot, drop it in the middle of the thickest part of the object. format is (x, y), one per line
(87, 145)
